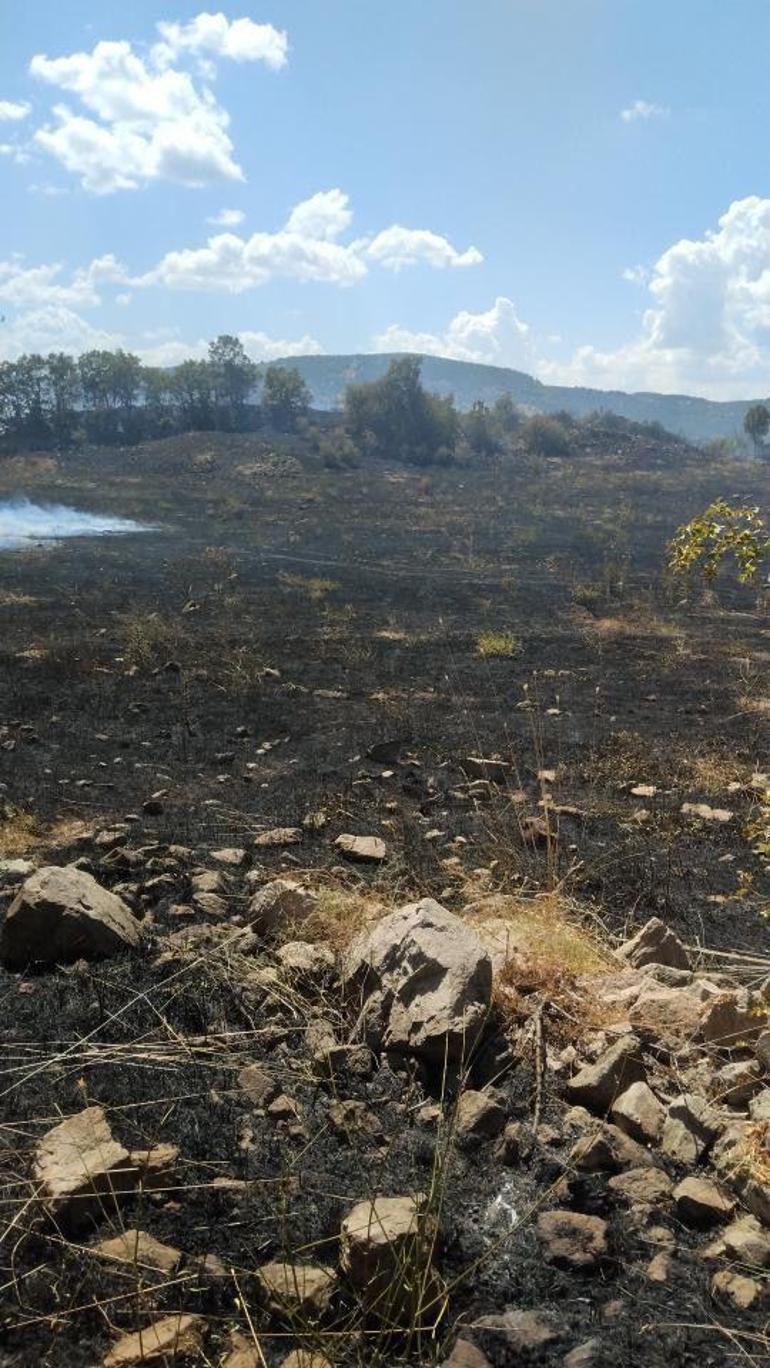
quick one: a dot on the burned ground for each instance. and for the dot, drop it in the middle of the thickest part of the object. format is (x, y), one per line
(340, 651)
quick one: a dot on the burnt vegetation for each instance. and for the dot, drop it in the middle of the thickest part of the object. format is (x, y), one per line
(451, 631)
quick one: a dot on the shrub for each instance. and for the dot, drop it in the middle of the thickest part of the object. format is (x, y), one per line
(546, 436)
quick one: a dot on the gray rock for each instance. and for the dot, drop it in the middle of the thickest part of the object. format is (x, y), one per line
(691, 1126)
(62, 914)
(639, 1113)
(597, 1085)
(362, 849)
(425, 981)
(656, 943)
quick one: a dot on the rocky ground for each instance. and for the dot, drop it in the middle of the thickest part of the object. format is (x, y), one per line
(383, 960)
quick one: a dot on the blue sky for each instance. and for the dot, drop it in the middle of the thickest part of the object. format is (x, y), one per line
(573, 187)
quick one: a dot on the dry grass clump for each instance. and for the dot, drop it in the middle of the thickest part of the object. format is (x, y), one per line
(712, 772)
(497, 645)
(147, 638)
(314, 587)
(19, 832)
(340, 914)
(9, 599)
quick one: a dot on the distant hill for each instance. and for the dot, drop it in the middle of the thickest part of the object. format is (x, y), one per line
(696, 419)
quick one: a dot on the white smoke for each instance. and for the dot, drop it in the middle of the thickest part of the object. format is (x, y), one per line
(22, 521)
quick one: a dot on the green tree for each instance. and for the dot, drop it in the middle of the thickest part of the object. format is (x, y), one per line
(546, 436)
(757, 424)
(395, 416)
(193, 388)
(478, 429)
(285, 398)
(63, 384)
(234, 376)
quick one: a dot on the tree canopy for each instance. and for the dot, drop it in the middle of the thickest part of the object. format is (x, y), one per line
(396, 417)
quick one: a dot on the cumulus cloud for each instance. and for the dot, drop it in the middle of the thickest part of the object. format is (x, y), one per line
(707, 330)
(144, 119)
(26, 286)
(212, 35)
(53, 328)
(398, 247)
(644, 109)
(227, 218)
(11, 111)
(171, 351)
(306, 248)
(495, 337)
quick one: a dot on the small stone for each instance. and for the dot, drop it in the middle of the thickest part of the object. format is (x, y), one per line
(645, 1186)
(639, 1113)
(509, 1149)
(656, 943)
(691, 1126)
(735, 1084)
(700, 1203)
(257, 1085)
(466, 1355)
(659, 1268)
(586, 1355)
(608, 1149)
(230, 855)
(745, 1240)
(301, 1358)
(306, 959)
(524, 1334)
(740, 1291)
(759, 1107)
(173, 1337)
(571, 1238)
(279, 836)
(387, 1244)
(734, 1019)
(479, 1117)
(597, 1085)
(297, 1289)
(140, 1249)
(362, 849)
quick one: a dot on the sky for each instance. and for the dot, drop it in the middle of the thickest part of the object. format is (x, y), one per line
(576, 188)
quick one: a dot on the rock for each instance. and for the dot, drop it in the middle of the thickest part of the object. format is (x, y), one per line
(740, 1291)
(736, 1083)
(426, 982)
(297, 1290)
(597, 1085)
(759, 1107)
(572, 1239)
(233, 856)
(257, 1085)
(642, 1187)
(306, 959)
(707, 813)
(586, 1355)
(509, 1149)
(301, 1358)
(660, 1267)
(362, 849)
(668, 1015)
(466, 1355)
(691, 1126)
(734, 1019)
(80, 1168)
(638, 1112)
(280, 905)
(279, 836)
(762, 1050)
(140, 1249)
(656, 943)
(350, 1117)
(209, 881)
(387, 1247)
(479, 1117)
(745, 1241)
(608, 1149)
(243, 1352)
(701, 1203)
(522, 1333)
(174, 1337)
(14, 871)
(61, 914)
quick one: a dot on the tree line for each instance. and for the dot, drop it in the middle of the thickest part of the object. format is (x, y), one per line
(111, 397)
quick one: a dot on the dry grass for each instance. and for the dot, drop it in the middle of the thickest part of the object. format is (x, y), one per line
(497, 645)
(711, 773)
(10, 600)
(340, 915)
(19, 832)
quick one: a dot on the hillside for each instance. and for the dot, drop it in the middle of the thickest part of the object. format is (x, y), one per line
(697, 419)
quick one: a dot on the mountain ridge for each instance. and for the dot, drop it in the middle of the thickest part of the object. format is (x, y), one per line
(689, 415)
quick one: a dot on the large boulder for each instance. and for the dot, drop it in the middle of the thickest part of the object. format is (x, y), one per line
(62, 914)
(425, 980)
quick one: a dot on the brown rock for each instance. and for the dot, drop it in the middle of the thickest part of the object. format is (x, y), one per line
(745, 1241)
(140, 1249)
(734, 1019)
(243, 1352)
(61, 914)
(659, 1268)
(479, 1117)
(669, 1015)
(466, 1355)
(638, 1112)
(522, 1333)
(741, 1292)
(572, 1239)
(656, 943)
(306, 959)
(736, 1083)
(701, 1203)
(608, 1149)
(80, 1168)
(297, 1289)
(302, 1358)
(386, 1250)
(691, 1125)
(597, 1085)
(645, 1186)
(281, 904)
(586, 1355)
(362, 849)
(257, 1085)
(174, 1337)
(279, 836)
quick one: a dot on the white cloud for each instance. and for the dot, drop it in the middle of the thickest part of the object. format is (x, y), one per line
(635, 275)
(323, 216)
(707, 330)
(142, 118)
(306, 248)
(497, 337)
(227, 218)
(397, 247)
(644, 109)
(212, 35)
(27, 286)
(258, 345)
(11, 111)
(53, 328)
